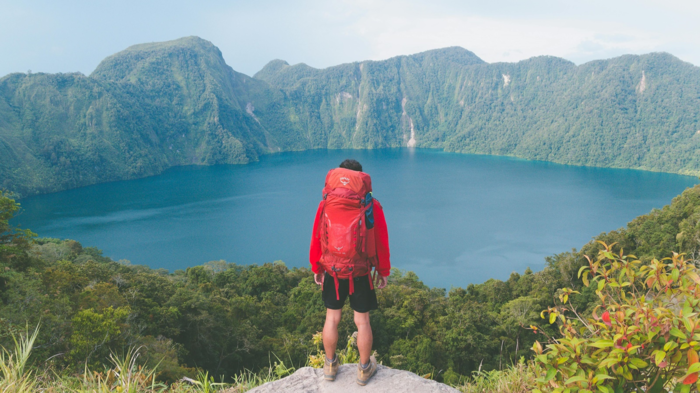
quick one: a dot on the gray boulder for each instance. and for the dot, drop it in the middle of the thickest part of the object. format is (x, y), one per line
(386, 380)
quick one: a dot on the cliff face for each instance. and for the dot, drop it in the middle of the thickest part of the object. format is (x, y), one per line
(153, 106)
(387, 380)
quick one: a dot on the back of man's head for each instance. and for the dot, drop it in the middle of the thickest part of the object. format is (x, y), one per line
(351, 164)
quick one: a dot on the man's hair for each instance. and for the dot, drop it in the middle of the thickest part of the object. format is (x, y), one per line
(351, 164)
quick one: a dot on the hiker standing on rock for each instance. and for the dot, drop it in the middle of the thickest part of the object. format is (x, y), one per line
(349, 240)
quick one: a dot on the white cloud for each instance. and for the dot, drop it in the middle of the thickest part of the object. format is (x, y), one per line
(495, 39)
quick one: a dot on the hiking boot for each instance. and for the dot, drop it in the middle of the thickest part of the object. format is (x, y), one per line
(330, 369)
(364, 374)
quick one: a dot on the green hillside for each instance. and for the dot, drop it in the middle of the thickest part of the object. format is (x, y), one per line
(153, 106)
(224, 318)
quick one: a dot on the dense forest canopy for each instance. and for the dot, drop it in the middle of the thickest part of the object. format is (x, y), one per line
(223, 317)
(153, 106)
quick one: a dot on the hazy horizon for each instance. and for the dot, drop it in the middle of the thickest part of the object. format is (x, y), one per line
(361, 60)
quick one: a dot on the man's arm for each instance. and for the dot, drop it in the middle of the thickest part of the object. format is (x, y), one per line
(381, 236)
(315, 251)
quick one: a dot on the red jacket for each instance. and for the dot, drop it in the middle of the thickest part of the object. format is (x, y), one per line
(381, 236)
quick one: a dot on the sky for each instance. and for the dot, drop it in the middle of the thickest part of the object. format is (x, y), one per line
(69, 36)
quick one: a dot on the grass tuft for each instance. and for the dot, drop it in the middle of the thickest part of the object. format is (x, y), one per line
(519, 378)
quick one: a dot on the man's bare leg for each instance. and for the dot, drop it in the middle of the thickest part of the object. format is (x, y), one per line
(330, 332)
(364, 336)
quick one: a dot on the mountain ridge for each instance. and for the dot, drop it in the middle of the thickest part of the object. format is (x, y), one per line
(157, 105)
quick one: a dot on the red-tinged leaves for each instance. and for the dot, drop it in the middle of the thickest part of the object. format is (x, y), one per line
(690, 379)
(648, 332)
(650, 281)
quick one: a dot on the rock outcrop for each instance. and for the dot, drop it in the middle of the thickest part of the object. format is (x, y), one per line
(387, 380)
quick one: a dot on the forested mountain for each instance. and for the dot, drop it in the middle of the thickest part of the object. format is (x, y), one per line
(154, 106)
(632, 111)
(141, 111)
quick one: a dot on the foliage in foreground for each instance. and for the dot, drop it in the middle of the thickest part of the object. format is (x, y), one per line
(517, 378)
(124, 374)
(643, 334)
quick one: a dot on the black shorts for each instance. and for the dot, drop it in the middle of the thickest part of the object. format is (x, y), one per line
(363, 298)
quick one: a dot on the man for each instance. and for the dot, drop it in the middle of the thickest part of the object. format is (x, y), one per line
(349, 239)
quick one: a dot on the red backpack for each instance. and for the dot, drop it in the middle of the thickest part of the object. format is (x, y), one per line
(347, 226)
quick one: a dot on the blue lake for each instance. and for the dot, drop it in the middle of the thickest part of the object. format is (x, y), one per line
(453, 219)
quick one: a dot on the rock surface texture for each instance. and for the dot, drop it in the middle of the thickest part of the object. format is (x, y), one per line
(386, 380)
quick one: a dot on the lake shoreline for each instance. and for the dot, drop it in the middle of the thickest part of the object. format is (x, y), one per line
(453, 218)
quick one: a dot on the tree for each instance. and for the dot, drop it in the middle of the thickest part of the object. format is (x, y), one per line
(94, 332)
(14, 242)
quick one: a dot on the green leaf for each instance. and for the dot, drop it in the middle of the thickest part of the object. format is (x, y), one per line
(602, 344)
(581, 270)
(638, 362)
(551, 372)
(670, 345)
(659, 357)
(575, 379)
(552, 317)
(678, 333)
(693, 368)
(688, 324)
(608, 362)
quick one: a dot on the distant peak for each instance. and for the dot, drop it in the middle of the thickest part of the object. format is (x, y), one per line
(456, 54)
(123, 63)
(192, 42)
(271, 68)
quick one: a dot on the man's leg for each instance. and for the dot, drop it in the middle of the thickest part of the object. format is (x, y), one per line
(330, 332)
(364, 336)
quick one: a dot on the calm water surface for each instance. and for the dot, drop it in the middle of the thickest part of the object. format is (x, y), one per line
(453, 219)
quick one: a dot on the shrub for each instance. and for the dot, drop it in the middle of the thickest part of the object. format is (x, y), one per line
(349, 354)
(643, 336)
